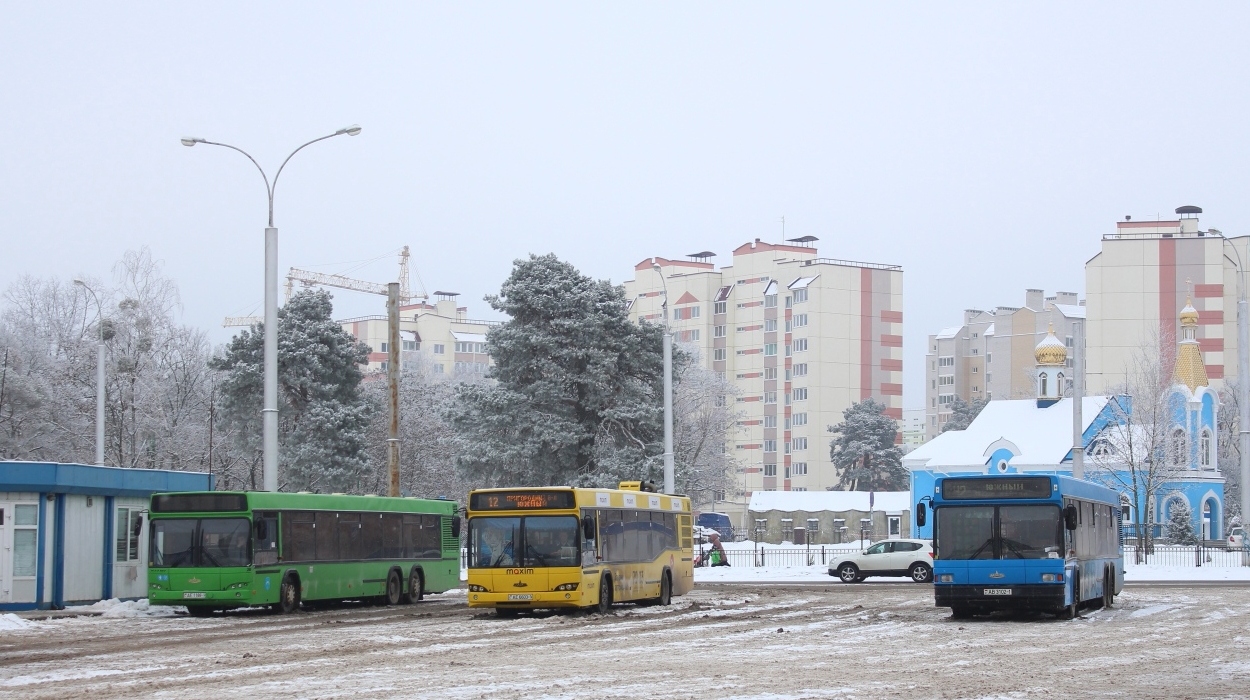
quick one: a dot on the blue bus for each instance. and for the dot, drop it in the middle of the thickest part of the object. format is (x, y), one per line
(1024, 542)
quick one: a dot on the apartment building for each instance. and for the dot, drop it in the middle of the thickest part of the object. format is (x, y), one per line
(990, 355)
(913, 428)
(801, 337)
(1141, 278)
(440, 332)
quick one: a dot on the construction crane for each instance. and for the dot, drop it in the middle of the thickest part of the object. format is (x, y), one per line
(309, 278)
(396, 293)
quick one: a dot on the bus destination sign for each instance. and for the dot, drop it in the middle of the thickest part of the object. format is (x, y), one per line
(522, 500)
(998, 487)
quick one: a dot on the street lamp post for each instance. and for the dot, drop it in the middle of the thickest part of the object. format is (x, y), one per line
(270, 410)
(99, 375)
(1243, 391)
(670, 481)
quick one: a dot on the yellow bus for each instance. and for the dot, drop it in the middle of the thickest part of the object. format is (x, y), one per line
(563, 547)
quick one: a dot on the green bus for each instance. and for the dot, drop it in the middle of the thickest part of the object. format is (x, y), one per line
(215, 550)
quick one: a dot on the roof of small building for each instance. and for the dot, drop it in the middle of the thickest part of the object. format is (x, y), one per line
(90, 479)
(833, 501)
(950, 332)
(1043, 436)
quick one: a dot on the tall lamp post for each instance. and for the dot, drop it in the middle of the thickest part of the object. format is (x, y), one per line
(670, 481)
(271, 305)
(1243, 390)
(99, 375)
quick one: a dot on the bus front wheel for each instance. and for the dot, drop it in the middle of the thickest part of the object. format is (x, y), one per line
(393, 588)
(288, 595)
(1070, 612)
(416, 586)
(605, 596)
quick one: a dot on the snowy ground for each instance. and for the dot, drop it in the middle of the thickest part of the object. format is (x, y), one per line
(820, 574)
(727, 641)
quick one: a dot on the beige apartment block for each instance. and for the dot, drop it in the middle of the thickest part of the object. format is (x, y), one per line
(800, 336)
(441, 333)
(1139, 281)
(990, 356)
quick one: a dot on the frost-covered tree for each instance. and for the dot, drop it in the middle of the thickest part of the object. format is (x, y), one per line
(704, 420)
(963, 413)
(1228, 452)
(864, 452)
(577, 392)
(323, 416)
(1180, 527)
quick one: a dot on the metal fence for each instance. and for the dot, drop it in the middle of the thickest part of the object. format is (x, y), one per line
(770, 555)
(1183, 555)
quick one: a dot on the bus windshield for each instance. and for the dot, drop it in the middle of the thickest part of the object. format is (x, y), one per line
(999, 532)
(532, 540)
(190, 542)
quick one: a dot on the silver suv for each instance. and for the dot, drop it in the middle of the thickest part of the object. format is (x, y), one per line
(913, 558)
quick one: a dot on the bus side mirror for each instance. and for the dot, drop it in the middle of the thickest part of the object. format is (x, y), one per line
(920, 515)
(588, 527)
(1069, 517)
(138, 526)
(455, 526)
(262, 530)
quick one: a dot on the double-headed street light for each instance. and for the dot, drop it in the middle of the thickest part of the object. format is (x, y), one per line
(99, 375)
(271, 305)
(670, 481)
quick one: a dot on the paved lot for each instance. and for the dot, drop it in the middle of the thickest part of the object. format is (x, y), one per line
(732, 641)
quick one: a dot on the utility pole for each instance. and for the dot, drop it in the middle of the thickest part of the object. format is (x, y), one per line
(392, 385)
(1078, 397)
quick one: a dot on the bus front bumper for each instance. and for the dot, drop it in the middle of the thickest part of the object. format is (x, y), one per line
(528, 601)
(235, 597)
(1032, 596)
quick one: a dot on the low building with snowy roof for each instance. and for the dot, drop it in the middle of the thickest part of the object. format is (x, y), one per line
(776, 516)
(1156, 468)
(74, 534)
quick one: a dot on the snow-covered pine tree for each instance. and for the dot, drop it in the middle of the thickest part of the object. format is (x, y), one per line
(1180, 527)
(578, 386)
(322, 414)
(963, 413)
(864, 452)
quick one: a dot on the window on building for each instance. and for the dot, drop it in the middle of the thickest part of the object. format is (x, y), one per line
(719, 307)
(1179, 448)
(948, 361)
(25, 539)
(770, 325)
(385, 347)
(976, 370)
(125, 538)
(1204, 448)
(800, 320)
(439, 349)
(800, 296)
(800, 394)
(770, 421)
(385, 365)
(798, 419)
(798, 443)
(989, 357)
(770, 445)
(770, 301)
(438, 369)
(410, 345)
(800, 344)
(770, 349)
(944, 399)
(799, 469)
(718, 354)
(770, 470)
(718, 331)
(946, 380)
(800, 369)
(720, 401)
(770, 397)
(770, 372)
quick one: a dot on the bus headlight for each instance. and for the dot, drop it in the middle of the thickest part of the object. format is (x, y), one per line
(567, 587)
(473, 587)
(1052, 578)
(946, 578)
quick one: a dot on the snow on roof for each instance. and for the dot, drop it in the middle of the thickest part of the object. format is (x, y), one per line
(771, 289)
(833, 501)
(1042, 435)
(802, 282)
(951, 332)
(1071, 311)
(469, 337)
(989, 331)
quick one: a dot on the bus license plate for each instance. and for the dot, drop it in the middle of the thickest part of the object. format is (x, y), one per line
(520, 596)
(997, 591)
(190, 594)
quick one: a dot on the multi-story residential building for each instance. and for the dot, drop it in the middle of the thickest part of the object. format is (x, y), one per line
(913, 428)
(1144, 273)
(453, 344)
(800, 336)
(990, 356)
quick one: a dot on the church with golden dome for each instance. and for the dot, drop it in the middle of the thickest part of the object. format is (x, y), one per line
(1158, 451)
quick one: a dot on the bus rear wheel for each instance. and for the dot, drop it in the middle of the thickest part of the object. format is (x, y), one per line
(288, 595)
(1108, 588)
(394, 588)
(416, 586)
(666, 589)
(605, 596)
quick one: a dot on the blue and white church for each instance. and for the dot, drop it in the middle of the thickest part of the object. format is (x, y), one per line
(1035, 436)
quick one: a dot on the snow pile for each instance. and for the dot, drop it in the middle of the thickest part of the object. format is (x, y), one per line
(10, 621)
(129, 608)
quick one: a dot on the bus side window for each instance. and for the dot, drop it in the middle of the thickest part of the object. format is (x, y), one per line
(266, 548)
(371, 535)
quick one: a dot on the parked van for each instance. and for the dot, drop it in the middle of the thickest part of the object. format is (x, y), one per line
(718, 522)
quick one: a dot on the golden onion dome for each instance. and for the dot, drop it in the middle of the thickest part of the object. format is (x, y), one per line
(1189, 315)
(1050, 351)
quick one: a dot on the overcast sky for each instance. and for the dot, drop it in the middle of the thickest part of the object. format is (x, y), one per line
(983, 147)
